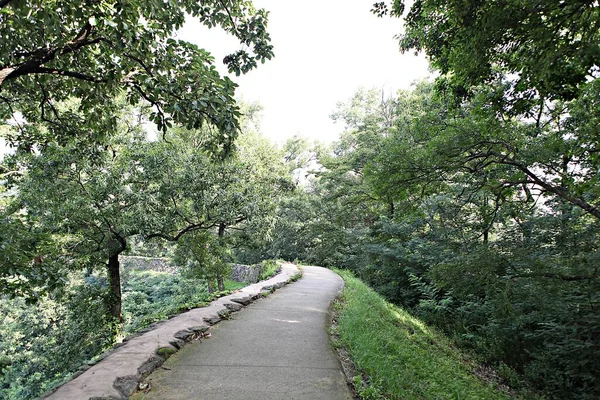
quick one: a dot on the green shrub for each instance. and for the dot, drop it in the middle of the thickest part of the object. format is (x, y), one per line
(150, 296)
(42, 344)
(268, 269)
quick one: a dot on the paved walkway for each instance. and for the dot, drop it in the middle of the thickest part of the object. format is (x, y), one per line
(277, 348)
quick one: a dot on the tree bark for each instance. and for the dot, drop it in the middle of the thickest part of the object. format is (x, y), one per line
(220, 283)
(222, 227)
(114, 279)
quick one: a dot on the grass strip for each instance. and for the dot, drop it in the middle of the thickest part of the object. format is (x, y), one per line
(398, 356)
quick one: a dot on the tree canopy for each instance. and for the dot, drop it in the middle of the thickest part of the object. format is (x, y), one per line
(52, 51)
(479, 222)
(550, 48)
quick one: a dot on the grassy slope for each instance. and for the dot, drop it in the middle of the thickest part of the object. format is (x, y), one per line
(401, 356)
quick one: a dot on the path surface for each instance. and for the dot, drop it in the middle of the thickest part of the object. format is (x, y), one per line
(276, 348)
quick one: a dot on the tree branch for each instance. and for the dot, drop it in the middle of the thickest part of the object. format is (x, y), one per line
(139, 61)
(176, 237)
(233, 25)
(560, 192)
(72, 74)
(42, 56)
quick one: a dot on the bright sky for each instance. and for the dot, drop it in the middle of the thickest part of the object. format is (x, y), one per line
(324, 51)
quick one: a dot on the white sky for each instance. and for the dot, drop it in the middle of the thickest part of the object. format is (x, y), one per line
(324, 51)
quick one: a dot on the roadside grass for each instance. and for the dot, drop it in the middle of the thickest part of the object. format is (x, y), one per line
(396, 355)
(268, 269)
(231, 285)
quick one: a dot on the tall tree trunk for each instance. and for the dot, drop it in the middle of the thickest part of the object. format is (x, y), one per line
(220, 283)
(211, 287)
(391, 209)
(114, 279)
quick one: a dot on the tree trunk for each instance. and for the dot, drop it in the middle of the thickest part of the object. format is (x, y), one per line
(220, 283)
(211, 288)
(392, 209)
(114, 279)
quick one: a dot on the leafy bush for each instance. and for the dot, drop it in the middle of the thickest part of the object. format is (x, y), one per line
(150, 296)
(43, 343)
(268, 268)
(526, 302)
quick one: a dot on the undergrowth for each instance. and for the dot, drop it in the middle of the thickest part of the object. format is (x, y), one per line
(268, 269)
(150, 296)
(399, 357)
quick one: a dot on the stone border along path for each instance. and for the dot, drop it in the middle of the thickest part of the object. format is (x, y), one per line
(117, 375)
(277, 348)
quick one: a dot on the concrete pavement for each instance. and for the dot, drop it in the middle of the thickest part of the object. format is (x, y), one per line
(276, 348)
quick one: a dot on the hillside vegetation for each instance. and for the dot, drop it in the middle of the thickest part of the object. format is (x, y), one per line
(397, 355)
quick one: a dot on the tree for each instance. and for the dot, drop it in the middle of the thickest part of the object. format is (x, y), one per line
(551, 47)
(130, 187)
(94, 51)
(494, 230)
(327, 217)
(204, 255)
(490, 237)
(135, 187)
(552, 159)
(241, 195)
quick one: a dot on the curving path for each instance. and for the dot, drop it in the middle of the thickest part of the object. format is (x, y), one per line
(276, 348)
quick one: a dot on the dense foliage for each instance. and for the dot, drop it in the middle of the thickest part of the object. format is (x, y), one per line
(44, 343)
(472, 201)
(94, 209)
(483, 224)
(79, 86)
(52, 51)
(550, 47)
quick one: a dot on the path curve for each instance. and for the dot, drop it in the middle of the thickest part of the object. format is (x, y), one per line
(277, 348)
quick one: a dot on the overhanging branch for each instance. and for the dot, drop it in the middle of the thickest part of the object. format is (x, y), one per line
(178, 235)
(72, 74)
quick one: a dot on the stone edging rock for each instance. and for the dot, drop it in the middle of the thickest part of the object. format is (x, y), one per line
(121, 370)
